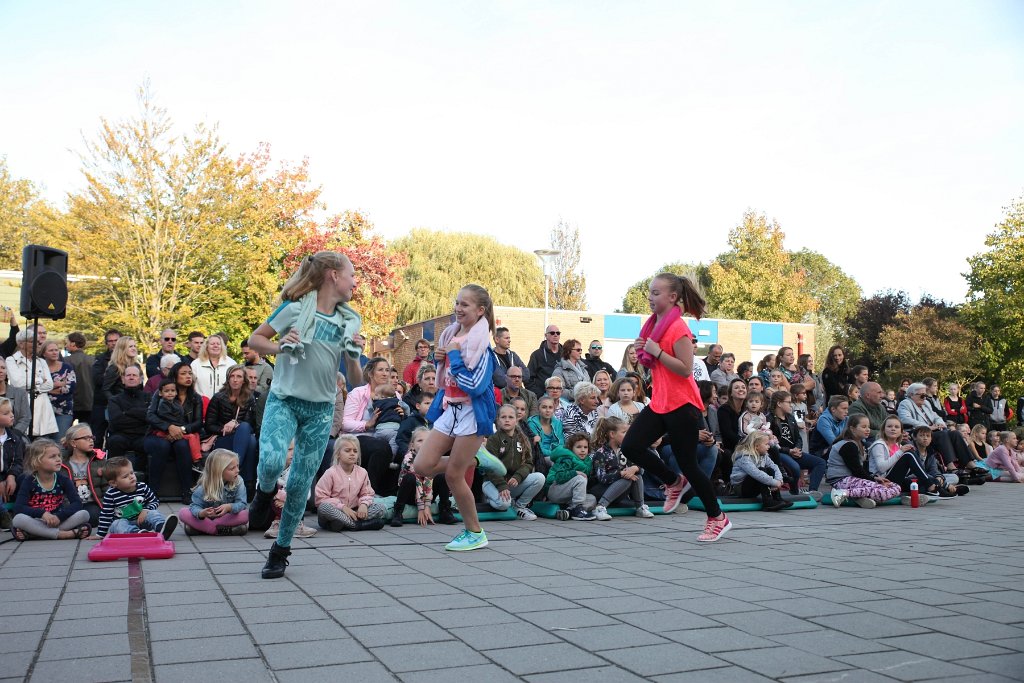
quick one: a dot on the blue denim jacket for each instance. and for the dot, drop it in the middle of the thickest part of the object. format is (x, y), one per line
(235, 497)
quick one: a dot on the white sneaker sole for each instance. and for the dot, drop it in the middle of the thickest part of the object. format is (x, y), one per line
(723, 532)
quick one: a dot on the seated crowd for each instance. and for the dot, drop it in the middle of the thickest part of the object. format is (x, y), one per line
(116, 433)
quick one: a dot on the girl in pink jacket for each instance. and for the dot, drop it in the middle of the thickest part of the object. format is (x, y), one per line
(1002, 458)
(343, 496)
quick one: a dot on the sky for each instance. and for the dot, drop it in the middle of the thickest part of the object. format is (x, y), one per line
(886, 135)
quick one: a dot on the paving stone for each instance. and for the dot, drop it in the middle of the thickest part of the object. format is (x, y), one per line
(362, 672)
(83, 670)
(61, 648)
(18, 663)
(730, 674)
(905, 666)
(248, 670)
(782, 661)
(831, 643)
(377, 615)
(651, 660)
(545, 658)
(304, 654)
(198, 628)
(605, 674)
(24, 641)
(967, 626)
(428, 656)
(504, 637)
(716, 640)
(941, 646)
(599, 638)
(75, 628)
(422, 631)
(265, 634)
(472, 616)
(210, 610)
(203, 649)
(869, 625)
(1010, 665)
(765, 623)
(288, 614)
(568, 618)
(845, 676)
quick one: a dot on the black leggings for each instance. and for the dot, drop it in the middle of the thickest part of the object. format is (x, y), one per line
(752, 488)
(907, 466)
(682, 425)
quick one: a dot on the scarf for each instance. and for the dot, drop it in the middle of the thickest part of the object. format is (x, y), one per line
(655, 330)
(305, 323)
(477, 343)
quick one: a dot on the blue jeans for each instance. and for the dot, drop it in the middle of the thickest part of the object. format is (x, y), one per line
(63, 423)
(309, 424)
(243, 442)
(154, 522)
(159, 451)
(522, 495)
(807, 461)
(707, 458)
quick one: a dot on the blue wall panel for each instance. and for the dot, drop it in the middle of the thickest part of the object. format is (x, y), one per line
(766, 334)
(622, 326)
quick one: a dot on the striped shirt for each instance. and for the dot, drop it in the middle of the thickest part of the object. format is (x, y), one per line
(114, 500)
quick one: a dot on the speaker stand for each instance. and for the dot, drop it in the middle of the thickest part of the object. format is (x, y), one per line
(32, 382)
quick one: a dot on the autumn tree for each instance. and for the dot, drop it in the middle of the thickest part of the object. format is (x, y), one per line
(635, 300)
(994, 300)
(757, 278)
(568, 283)
(172, 231)
(835, 294)
(864, 326)
(378, 268)
(442, 262)
(23, 217)
(926, 343)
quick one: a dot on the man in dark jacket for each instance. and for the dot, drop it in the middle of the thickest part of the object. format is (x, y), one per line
(593, 360)
(128, 425)
(979, 406)
(543, 360)
(82, 363)
(505, 355)
(98, 419)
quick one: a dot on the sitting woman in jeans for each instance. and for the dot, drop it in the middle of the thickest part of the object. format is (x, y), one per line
(167, 441)
(231, 416)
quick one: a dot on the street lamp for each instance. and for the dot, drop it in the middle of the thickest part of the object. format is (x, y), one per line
(546, 256)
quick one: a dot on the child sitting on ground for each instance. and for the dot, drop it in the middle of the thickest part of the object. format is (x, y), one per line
(389, 410)
(754, 474)
(567, 478)
(281, 496)
(626, 407)
(83, 464)
(417, 419)
(1002, 458)
(412, 486)
(218, 501)
(129, 505)
(937, 483)
(48, 505)
(12, 458)
(343, 496)
(518, 486)
(549, 428)
(616, 479)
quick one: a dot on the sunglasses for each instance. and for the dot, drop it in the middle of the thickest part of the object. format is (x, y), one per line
(556, 334)
(170, 339)
(596, 348)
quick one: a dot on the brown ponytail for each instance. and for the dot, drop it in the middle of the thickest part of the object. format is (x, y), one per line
(688, 297)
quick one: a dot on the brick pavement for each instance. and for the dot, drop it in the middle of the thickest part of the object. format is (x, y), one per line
(892, 594)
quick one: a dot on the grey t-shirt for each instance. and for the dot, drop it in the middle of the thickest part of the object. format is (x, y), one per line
(314, 377)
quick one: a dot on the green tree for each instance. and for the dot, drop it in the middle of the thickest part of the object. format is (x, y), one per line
(757, 278)
(442, 262)
(174, 232)
(864, 327)
(23, 217)
(926, 343)
(993, 307)
(568, 283)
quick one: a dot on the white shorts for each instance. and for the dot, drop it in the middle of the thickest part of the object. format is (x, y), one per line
(457, 419)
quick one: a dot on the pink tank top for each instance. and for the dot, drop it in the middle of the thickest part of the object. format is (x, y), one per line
(670, 390)
(452, 392)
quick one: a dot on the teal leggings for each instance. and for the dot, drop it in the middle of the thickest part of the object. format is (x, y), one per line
(309, 424)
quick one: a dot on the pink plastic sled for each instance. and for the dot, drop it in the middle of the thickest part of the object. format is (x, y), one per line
(148, 545)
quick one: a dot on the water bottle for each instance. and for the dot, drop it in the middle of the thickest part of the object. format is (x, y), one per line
(915, 500)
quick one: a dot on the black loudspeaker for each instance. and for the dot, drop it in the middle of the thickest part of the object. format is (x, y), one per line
(44, 282)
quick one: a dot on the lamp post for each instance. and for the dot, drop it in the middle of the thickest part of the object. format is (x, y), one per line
(546, 256)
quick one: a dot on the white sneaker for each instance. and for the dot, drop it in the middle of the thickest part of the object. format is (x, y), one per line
(601, 513)
(304, 531)
(839, 497)
(525, 513)
(865, 503)
(274, 530)
(644, 511)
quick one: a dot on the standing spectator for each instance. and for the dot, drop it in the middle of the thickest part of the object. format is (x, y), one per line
(19, 374)
(699, 370)
(812, 380)
(211, 368)
(508, 358)
(18, 398)
(98, 418)
(81, 363)
(713, 360)
(764, 369)
(593, 359)
(125, 354)
(10, 345)
(631, 364)
(168, 338)
(422, 353)
(544, 359)
(167, 362)
(859, 376)
(514, 389)
(836, 376)
(264, 369)
(571, 368)
(195, 343)
(954, 407)
(785, 362)
(1001, 411)
(979, 405)
(62, 396)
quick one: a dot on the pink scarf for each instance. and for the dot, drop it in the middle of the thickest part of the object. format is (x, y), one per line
(478, 341)
(655, 332)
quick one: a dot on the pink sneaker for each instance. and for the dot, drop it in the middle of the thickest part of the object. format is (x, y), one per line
(674, 493)
(715, 529)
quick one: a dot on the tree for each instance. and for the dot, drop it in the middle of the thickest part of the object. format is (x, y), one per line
(22, 217)
(442, 262)
(174, 232)
(377, 267)
(864, 327)
(568, 283)
(635, 300)
(835, 293)
(757, 279)
(926, 343)
(995, 293)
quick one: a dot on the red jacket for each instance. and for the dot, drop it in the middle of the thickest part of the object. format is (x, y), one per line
(97, 484)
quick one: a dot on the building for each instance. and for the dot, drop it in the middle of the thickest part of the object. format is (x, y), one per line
(749, 340)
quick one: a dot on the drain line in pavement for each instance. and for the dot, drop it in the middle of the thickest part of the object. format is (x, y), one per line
(138, 638)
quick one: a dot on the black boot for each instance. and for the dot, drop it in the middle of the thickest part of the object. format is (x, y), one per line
(445, 516)
(396, 518)
(374, 524)
(276, 562)
(768, 503)
(261, 510)
(777, 495)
